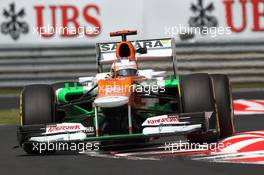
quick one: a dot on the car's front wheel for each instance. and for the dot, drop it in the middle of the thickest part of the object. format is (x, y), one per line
(37, 105)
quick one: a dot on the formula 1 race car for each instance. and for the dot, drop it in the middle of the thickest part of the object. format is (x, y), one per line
(126, 104)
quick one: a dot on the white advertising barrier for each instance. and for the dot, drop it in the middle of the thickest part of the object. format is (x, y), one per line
(81, 22)
(68, 18)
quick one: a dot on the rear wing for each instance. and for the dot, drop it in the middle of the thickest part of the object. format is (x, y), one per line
(157, 49)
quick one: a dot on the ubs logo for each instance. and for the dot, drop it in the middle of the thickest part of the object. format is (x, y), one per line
(202, 15)
(14, 25)
(202, 19)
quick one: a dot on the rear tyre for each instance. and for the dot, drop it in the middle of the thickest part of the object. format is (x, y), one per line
(37, 107)
(224, 104)
(197, 95)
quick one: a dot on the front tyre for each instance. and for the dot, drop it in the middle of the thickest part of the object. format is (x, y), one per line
(37, 105)
(197, 95)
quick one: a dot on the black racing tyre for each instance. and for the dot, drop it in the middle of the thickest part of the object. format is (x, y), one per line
(197, 95)
(224, 102)
(37, 104)
(31, 149)
(37, 107)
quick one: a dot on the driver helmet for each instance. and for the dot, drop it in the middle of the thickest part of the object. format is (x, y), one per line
(124, 67)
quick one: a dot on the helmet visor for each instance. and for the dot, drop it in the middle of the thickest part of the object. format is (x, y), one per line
(126, 72)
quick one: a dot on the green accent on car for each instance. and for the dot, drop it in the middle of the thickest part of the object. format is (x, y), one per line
(171, 83)
(76, 90)
(67, 91)
(165, 107)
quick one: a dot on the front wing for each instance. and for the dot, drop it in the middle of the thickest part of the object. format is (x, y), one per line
(76, 132)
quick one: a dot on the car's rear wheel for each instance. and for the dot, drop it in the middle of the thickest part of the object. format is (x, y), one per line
(197, 95)
(224, 102)
(36, 107)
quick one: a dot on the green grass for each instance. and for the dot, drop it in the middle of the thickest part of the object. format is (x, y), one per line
(9, 116)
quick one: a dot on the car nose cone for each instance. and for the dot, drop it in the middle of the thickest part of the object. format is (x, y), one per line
(111, 101)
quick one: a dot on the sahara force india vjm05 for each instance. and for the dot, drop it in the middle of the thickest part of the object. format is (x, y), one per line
(126, 104)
